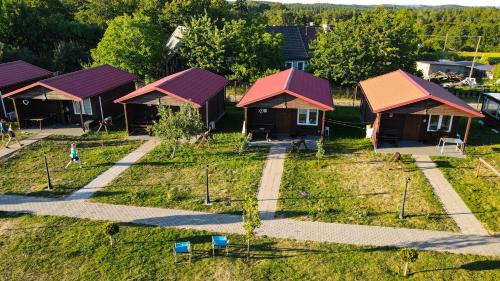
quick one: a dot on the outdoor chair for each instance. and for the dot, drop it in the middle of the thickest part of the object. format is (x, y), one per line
(219, 242)
(182, 248)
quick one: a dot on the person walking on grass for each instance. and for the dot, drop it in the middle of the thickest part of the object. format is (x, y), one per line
(12, 136)
(3, 129)
(73, 154)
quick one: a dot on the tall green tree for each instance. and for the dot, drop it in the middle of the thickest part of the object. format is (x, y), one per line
(99, 12)
(239, 50)
(367, 45)
(135, 44)
(173, 127)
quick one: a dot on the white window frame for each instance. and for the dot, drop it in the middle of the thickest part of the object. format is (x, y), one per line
(87, 107)
(440, 120)
(486, 105)
(307, 123)
(295, 64)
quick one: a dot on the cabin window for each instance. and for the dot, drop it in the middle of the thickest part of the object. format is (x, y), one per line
(439, 123)
(300, 65)
(87, 107)
(307, 117)
(491, 108)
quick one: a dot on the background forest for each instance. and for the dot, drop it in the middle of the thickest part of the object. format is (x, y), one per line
(230, 38)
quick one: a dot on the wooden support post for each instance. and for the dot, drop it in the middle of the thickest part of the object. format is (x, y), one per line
(206, 115)
(376, 126)
(323, 125)
(246, 121)
(17, 113)
(466, 136)
(126, 118)
(102, 112)
(80, 103)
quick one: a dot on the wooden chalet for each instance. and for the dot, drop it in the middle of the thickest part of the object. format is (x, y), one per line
(73, 98)
(200, 88)
(15, 75)
(291, 102)
(401, 106)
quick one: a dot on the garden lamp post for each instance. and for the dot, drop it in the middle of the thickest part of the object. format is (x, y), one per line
(207, 194)
(49, 183)
(402, 213)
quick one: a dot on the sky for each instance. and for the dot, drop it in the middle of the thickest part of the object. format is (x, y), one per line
(400, 2)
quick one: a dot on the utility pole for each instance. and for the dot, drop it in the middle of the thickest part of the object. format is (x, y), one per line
(474, 59)
(207, 195)
(445, 41)
(402, 213)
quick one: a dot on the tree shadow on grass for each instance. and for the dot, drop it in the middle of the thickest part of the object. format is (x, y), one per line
(472, 266)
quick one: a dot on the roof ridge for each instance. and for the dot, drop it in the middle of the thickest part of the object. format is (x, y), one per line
(55, 78)
(412, 81)
(302, 40)
(176, 75)
(288, 79)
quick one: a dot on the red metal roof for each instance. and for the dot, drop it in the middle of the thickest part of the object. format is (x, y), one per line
(17, 72)
(297, 83)
(194, 85)
(84, 83)
(399, 88)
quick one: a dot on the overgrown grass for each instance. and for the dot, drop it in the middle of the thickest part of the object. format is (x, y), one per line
(482, 193)
(352, 184)
(159, 181)
(24, 172)
(51, 248)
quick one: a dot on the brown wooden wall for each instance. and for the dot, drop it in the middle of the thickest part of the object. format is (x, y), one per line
(281, 121)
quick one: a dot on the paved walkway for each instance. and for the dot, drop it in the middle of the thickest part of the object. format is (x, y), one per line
(270, 182)
(14, 146)
(451, 201)
(278, 228)
(109, 175)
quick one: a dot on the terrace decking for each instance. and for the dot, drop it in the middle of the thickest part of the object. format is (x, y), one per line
(418, 148)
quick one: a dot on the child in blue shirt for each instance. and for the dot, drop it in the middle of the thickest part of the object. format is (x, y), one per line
(73, 154)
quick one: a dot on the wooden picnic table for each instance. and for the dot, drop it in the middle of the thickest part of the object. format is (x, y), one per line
(38, 119)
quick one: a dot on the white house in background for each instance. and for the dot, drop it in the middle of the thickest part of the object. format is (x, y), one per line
(462, 67)
(429, 67)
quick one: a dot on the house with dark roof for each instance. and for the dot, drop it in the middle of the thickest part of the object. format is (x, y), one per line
(402, 107)
(15, 75)
(291, 102)
(73, 98)
(490, 107)
(296, 41)
(200, 88)
(461, 67)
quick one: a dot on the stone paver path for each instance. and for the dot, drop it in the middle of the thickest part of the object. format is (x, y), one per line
(277, 228)
(14, 146)
(109, 175)
(270, 182)
(451, 201)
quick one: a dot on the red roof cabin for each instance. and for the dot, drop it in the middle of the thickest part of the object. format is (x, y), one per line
(404, 107)
(73, 98)
(291, 102)
(200, 88)
(15, 75)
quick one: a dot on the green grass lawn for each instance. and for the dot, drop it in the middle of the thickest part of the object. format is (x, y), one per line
(481, 194)
(354, 185)
(159, 181)
(24, 172)
(52, 248)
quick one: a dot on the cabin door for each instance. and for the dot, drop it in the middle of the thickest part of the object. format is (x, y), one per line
(411, 129)
(282, 121)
